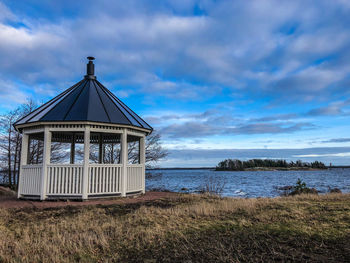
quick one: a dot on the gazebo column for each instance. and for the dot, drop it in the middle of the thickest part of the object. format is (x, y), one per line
(72, 149)
(24, 160)
(142, 152)
(85, 183)
(100, 149)
(125, 160)
(46, 162)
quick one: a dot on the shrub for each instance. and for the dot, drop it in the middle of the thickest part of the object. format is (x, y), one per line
(213, 186)
(301, 188)
(334, 190)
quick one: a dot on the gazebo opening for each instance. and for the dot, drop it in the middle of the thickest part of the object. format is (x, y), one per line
(133, 149)
(84, 143)
(35, 148)
(67, 148)
(105, 148)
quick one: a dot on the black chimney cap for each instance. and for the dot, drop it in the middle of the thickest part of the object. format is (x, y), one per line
(90, 69)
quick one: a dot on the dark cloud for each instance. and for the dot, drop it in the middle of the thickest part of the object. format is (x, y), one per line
(198, 129)
(277, 117)
(325, 111)
(270, 128)
(337, 140)
(333, 109)
(220, 121)
(189, 130)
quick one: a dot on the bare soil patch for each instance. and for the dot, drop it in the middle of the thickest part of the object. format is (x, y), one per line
(11, 201)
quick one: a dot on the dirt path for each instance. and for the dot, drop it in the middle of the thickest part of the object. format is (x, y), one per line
(12, 202)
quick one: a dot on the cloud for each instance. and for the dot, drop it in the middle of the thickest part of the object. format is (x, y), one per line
(11, 93)
(165, 48)
(31, 55)
(268, 128)
(221, 120)
(179, 90)
(337, 140)
(322, 111)
(198, 129)
(344, 154)
(277, 117)
(6, 14)
(335, 108)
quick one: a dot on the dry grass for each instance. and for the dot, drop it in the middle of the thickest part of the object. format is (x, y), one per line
(185, 228)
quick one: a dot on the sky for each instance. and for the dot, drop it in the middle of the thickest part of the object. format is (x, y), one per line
(217, 79)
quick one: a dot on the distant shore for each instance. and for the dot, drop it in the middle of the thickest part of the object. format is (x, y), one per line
(274, 169)
(182, 168)
(253, 169)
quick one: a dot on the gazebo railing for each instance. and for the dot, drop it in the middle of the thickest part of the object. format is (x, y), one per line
(104, 179)
(67, 179)
(134, 181)
(64, 179)
(31, 179)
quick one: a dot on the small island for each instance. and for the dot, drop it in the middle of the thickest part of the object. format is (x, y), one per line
(267, 165)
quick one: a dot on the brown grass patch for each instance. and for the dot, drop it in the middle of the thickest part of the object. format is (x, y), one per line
(189, 228)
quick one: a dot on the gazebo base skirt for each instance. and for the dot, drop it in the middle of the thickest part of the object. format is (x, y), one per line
(79, 198)
(69, 182)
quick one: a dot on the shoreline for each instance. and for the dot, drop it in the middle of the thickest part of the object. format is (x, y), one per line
(257, 169)
(250, 169)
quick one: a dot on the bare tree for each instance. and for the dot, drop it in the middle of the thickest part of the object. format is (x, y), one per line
(59, 153)
(7, 130)
(154, 149)
(10, 142)
(112, 151)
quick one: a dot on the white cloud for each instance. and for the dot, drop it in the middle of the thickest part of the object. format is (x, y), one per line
(12, 93)
(5, 13)
(345, 154)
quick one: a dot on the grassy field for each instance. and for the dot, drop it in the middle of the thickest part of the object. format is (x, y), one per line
(185, 228)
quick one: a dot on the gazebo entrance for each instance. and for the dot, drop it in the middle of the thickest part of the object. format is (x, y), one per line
(85, 157)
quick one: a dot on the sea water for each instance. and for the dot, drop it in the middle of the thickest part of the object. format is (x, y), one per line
(246, 183)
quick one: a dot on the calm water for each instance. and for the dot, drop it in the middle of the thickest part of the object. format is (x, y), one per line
(247, 184)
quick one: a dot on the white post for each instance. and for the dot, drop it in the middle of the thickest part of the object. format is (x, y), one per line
(100, 151)
(85, 183)
(24, 160)
(125, 160)
(143, 161)
(46, 161)
(72, 149)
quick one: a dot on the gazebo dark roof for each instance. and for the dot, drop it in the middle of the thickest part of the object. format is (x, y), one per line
(88, 100)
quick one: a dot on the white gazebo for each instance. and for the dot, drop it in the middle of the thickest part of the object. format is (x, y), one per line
(84, 143)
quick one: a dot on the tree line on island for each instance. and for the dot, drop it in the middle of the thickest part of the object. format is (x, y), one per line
(238, 165)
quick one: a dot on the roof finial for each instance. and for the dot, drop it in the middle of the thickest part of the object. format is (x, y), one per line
(90, 68)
